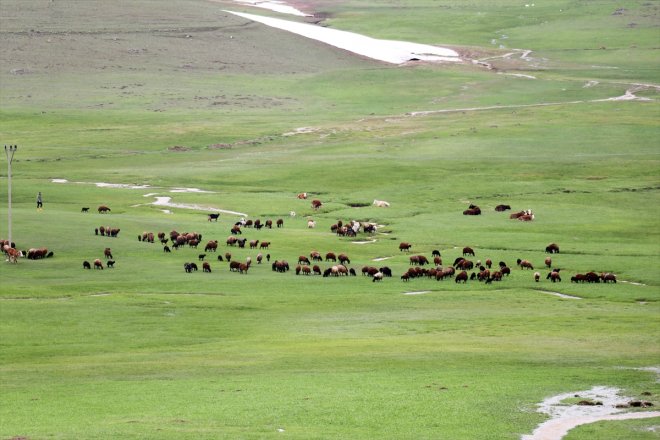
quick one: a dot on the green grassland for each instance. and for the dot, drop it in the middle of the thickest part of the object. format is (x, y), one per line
(179, 94)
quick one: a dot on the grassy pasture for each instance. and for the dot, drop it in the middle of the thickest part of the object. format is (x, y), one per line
(105, 90)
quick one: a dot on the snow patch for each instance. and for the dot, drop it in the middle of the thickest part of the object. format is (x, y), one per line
(389, 51)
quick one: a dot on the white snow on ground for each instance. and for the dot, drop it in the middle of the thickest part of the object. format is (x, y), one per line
(167, 201)
(560, 295)
(274, 5)
(564, 417)
(389, 51)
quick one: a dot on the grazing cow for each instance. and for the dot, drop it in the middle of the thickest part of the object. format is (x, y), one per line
(592, 277)
(85, 209)
(234, 265)
(241, 242)
(220, 258)
(110, 264)
(206, 267)
(264, 245)
(306, 270)
(468, 251)
(303, 260)
(13, 254)
(489, 263)
(228, 256)
(187, 267)
(537, 276)
(525, 264)
(235, 230)
(386, 271)
(166, 249)
(302, 196)
(316, 269)
(502, 208)
(381, 203)
(280, 266)
(231, 241)
(548, 262)
(404, 246)
(107, 253)
(211, 246)
(260, 257)
(608, 277)
(98, 264)
(378, 276)
(243, 268)
(214, 217)
(86, 265)
(36, 254)
(462, 276)
(311, 224)
(330, 256)
(435, 253)
(103, 209)
(437, 261)
(405, 277)
(505, 271)
(316, 204)
(578, 278)
(254, 244)
(315, 256)
(554, 276)
(343, 259)
(201, 257)
(552, 248)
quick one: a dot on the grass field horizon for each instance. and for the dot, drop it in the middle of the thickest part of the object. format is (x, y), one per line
(174, 95)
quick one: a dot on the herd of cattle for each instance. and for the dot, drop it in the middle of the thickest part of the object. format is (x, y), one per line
(461, 270)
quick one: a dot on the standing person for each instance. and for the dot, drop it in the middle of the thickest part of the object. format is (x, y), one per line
(40, 202)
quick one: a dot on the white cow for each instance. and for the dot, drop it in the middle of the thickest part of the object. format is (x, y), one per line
(381, 203)
(311, 224)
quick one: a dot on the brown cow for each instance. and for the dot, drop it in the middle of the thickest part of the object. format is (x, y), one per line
(316, 204)
(211, 246)
(502, 208)
(548, 262)
(107, 253)
(264, 245)
(552, 248)
(103, 209)
(343, 259)
(468, 251)
(98, 264)
(404, 246)
(206, 267)
(303, 260)
(302, 196)
(254, 244)
(330, 256)
(463, 276)
(525, 264)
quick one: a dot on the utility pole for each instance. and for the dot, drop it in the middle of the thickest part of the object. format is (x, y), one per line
(9, 152)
